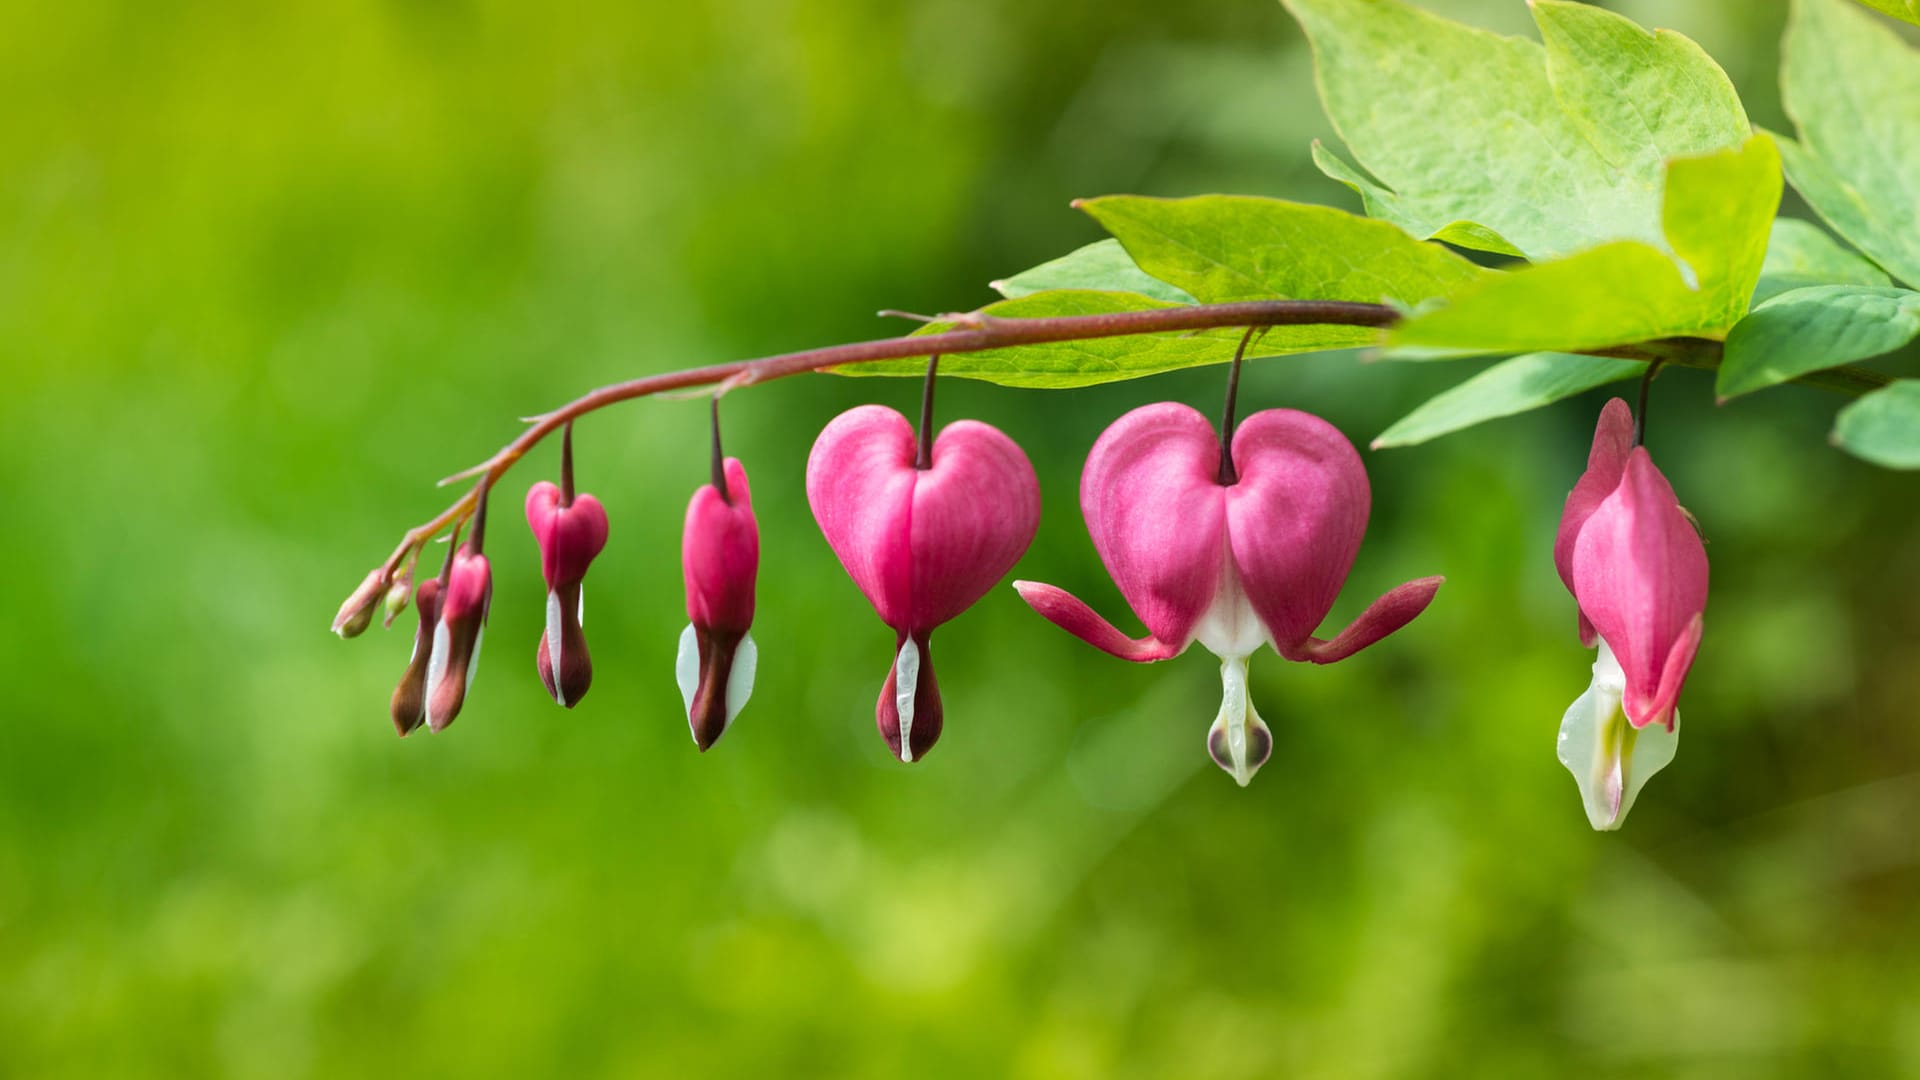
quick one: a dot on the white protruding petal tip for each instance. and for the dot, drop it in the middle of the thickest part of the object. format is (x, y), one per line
(1609, 758)
(686, 666)
(906, 685)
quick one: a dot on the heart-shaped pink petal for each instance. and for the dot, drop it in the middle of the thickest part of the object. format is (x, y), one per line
(720, 554)
(922, 544)
(569, 537)
(1154, 506)
(1295, 519)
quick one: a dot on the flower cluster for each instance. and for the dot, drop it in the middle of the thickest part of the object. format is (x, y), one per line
(1236, 539)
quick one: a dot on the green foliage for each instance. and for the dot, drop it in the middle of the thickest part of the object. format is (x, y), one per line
(1884, 426)
(1899, 9)
(1548, 149)
(1069, 364)
(1812, 329)
(1800, 253)
(1718, 211)
(1223, 248)
(1509, 387)
(1853, 90)
(1103, 264)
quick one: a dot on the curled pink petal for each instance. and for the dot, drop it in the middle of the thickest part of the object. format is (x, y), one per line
(1606, 464)
(1393, 610)
(1640, 576)
(1157, 515)
(1295, 519)
(1072, 614)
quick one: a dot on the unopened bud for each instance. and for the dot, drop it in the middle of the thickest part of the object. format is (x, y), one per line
(356, 613)
(397, 598)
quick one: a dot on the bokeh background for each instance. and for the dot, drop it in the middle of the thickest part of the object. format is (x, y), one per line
(267, 271)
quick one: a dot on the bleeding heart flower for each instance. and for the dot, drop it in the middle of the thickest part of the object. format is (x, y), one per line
(410, 697)
(466, 592)
(570, 531)
(922, 543)
(1258, 560)
(719, 557)
(1637, 568)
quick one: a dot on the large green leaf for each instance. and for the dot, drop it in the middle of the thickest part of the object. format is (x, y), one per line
(1503, 144)
(1066, 364)
(1506, 389)
(1223, 248)
(1899, 9)
(1718, 211)
(1813, 329)
(1800, 254)
(1884, 426)
(1853, 90)
(1103, 264)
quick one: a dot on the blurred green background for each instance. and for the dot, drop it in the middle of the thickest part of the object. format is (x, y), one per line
(267, 271)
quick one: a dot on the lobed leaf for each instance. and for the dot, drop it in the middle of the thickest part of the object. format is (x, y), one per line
(1883, 427)
(1103, 264)
(1852, 88)
(1801, 254)
(1067, 364)
(1508, 388)
(1717, 213)
(1813, 329)
(1225, 248)
(1505, 145)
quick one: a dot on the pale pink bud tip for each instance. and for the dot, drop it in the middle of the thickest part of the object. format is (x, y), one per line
(356, 612)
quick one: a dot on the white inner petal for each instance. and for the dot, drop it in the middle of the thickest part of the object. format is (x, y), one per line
(740, 680)
(686, 667)
(553, 643)
(436, 664)
(1609, 758)
(1229, 627)
(906, 680)
(1236, 719)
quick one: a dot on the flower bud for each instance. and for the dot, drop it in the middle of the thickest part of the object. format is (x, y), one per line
(410, 697)
(456, 636)
(570, 533)
(719, 561)
(356, 613)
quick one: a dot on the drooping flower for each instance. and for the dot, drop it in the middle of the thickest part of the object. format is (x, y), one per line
(356, 612)
(719, 558)
(465, 595)
(1258, 560)
(921, 543)
(1636, 566)
(571, 530)
(410, 697)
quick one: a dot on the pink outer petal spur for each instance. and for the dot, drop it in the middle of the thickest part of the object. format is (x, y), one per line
(1640, 575)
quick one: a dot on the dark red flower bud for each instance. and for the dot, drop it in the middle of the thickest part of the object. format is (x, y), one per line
(410, 697)
(456, 636)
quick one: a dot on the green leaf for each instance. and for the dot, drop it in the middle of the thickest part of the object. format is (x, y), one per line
(1853, 90)
(1801, 254)
(1813, 329)
(1883, 427)
(1899, 9)
(1507, 145)
(1103, 264)
(1067, 364)
(1719, 209)
(1506, 389)
(1224, 248)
